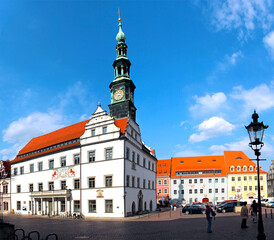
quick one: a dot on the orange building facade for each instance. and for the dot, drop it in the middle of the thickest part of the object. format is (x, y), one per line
(163, 179)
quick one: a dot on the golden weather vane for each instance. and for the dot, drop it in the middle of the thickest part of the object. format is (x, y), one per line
(119, 15)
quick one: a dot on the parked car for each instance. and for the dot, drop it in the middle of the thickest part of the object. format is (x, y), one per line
(270, 204)
(194, 209)
(229, 206)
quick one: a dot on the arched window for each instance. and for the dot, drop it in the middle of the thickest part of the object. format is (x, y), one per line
(244, 168)
(250, 168)
(232, 169)
(238, 169)
(145, 206)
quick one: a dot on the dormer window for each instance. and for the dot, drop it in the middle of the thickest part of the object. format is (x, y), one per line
(238, 169)
(250, 168)
(245, 168)
(213, 160)
(199, 161)
(232, 169)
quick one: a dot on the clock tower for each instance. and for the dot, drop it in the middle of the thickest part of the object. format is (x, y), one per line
(122, 88)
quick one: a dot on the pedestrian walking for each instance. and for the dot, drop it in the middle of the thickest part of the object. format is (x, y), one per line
(254, 211)
(175, 207)
(171, 207)
(209, 216)
(244, 215)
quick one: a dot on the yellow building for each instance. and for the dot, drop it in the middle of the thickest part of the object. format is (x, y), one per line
(242, 180)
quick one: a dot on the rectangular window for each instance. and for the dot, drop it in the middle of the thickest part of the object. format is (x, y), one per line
(15, 171)
(18, 187)
(76, 184)
(182, 191)
(108, 206)
(261, 178)
(31, 167)
(245, 188)
(91, 156)
(77, 159)
(201, 180)
(210, 190)
(255, 178)
(148, 185)
(182, 181)
(195, 191)
(149, 165)
(63, 185)
(210, 180)
(138, 159)
(174, 182)
(76, 206)
(29, 205)
(245, 178)
(133, 181)
(144, 162)
(256, 188)
(108, 181)
(262, 188)
(127, 153)
(39, 206)
(91, 206)
(175, 191)
(5, 189)
(138, 182)
(21, 170)
(250, 188)
(190, 181)
(160, 191)
(201, 190)
(195, 180)
(144, 183)
(63, 161)
(190, 191)
(233, 179)
(239, 178)
(165, 190)
(6, 206)
(93, 132)
(91, 182)
(159, 182)
(18, 205)
(152, 184)
(127, 182)
(108, 153)
(223, 180)
(31, 187)
(152, 167)
(63, 206)
(165, 182)
(51, 186)
(250, 178)
(133, 156)
(223, 190)
(40, 166)
(216, 180)
(233, 189)
(105, 129)
(40, 187)
(216, 190)
(51, 164)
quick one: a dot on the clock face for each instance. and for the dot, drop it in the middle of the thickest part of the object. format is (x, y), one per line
(119, 94)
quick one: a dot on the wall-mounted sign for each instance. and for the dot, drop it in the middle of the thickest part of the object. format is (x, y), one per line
(63, 173)
(100, 193)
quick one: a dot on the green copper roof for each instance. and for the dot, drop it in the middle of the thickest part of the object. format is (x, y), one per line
(120, 37)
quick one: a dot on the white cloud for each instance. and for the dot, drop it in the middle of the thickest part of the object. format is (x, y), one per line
(269, 42)
(182, 123)
(209, 102)
(234, 57)
(243, 15)
(259, 98)
(187, 153)
(35, 124)
(213, 127)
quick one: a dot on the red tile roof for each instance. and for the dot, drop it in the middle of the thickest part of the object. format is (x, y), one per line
(59, 136)
(163, 167)
(197, 163)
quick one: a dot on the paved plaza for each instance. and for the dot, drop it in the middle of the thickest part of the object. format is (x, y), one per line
(164, 225)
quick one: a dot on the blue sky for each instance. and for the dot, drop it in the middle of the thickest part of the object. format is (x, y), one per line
(200, 68)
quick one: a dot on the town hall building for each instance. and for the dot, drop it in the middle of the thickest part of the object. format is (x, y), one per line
(99, 167)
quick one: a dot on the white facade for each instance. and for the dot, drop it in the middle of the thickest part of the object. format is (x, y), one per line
(115, 176)
(196, 188)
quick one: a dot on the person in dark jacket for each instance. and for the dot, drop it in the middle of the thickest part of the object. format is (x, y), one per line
(244, 215)
(209, 218)
(254, 211)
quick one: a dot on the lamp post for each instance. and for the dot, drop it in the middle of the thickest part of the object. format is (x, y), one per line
(256, 133)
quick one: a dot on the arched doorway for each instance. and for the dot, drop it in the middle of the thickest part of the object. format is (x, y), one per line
(140, 201)
(133, 208)
(150, 206)
(145, 206)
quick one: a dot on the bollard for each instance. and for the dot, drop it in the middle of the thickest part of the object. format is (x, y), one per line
(34, 232)
(265, 213)
(170, 213)
(158, 215)
(180, 213)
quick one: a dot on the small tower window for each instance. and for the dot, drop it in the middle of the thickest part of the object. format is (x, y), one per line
(119, 70)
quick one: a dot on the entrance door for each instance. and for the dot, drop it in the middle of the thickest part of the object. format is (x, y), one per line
(50, 208)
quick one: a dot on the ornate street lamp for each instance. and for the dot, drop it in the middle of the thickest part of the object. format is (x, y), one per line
(256, 133)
